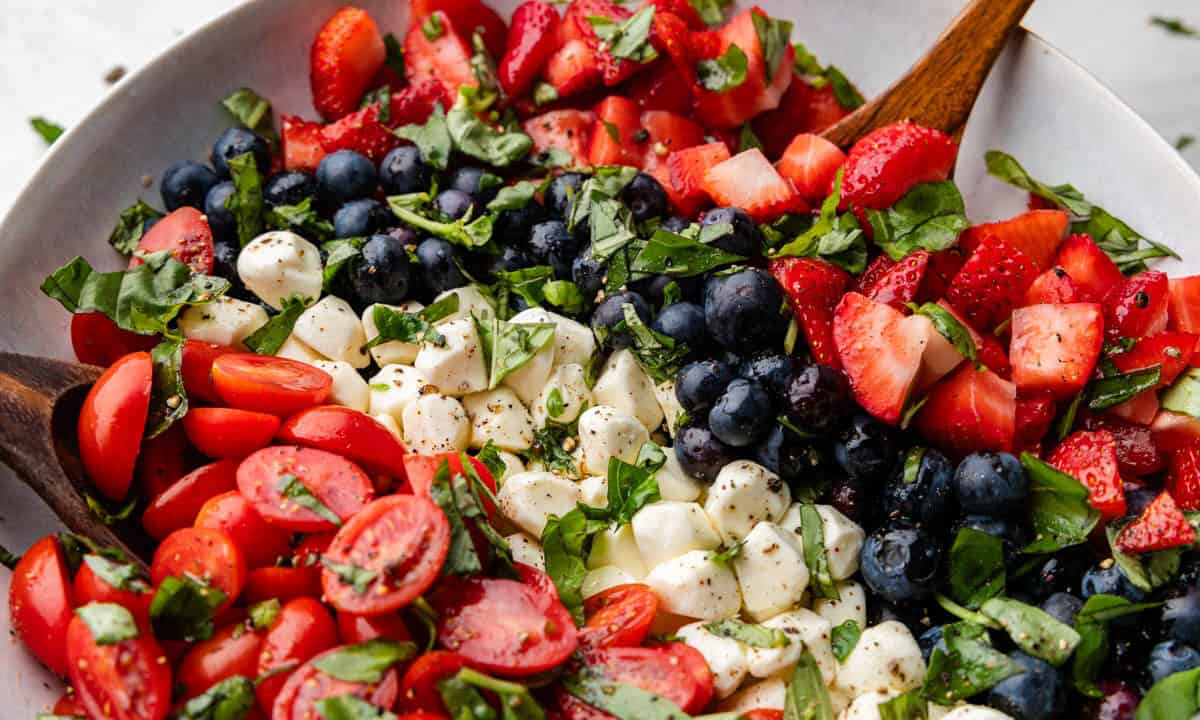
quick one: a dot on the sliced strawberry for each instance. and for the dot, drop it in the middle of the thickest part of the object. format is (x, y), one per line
(683, 205)
(1055, 347)
(881, 351)
(672, 38)
(803, 109)
(572, 69)
(1185, 304)
(415, 103)
(1093, 273)
(1140, 409)
(749, 181)
(991, 283)
(531, 42)
(811, 162)
(613, 70)
(661, 87)
(345, 56)
(943, 266)
(679, 8)
(434, 50)
(813, 289)
(900, 283)
(972, 410)
(300, 143)
(1091, 458)
(939, 359)
(1037, 233)
(886, 163)
(361, 132)
(1173, 430)
(1171, 351)
(689, 167)
(1137, 453)
(1183, 478)
(1051, 287)
(666, 133)
(1035, 415)
(1137, 307)
(991, 353)
(569, 130)
(1161, 526)
(470, 17)
(877, 268)
(615, 134)
(732, 108)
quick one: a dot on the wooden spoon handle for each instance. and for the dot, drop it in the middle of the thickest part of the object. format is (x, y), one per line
(940, 89)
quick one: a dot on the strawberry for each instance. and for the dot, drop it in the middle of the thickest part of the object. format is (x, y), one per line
(1051, 287)
(811, 162)
(1183, 477)
(690, 166)
(569, 130)
(1173, 430)
(672, 38)
(361, 132)
(1037, 233)
(1055, 347)
(615, 134)
(1171, 351)
(939, 359)
(613, 70)
(813, 288)
(470, 17)
(1184, 311)
(900, 283)
(415, 103)
(685, 206)
(300, 143)
(661, 87)
(679, 8)
(732, 108)
(886, 163)
(803, 109)
(1034, 416)
(877, 268)
(572, 69)
(990, 352)
(970, 411)
(880, 350)
(991, 283)
(943, 266)
(1137, 453)
(1137, 307)
(531, 42)
(1140, 409)
(1091, 458)
(1093, 273)
(749, 181)
(434, 50)
(345, 56)
(1161, 526)
(667, 132)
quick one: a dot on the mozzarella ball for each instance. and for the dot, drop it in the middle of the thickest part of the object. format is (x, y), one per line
(598, 580)
(512, 465)
(458, 367)
(573, 395)
(770, 570)
(331, 328)
(349, 388)
(664, 393)
(624, 385)
(393, 351)
(574, 343)
(294, 349)
(604, 433)
(393, 388)
(726, 657)
(850, 605)
(866, 706)
(975, 712)
(279, 264)
(224, 321)
(695, 585)
(765, 695)
(743, 494)
(665, 530)
(843, 538)
(527, 550)
(435, 423)
(618, 548)
(886, 657)
(594, 491)
(471, 302)
(674, 483)
(498, 415)
(806, 631)
(528, 499)
(531, 378)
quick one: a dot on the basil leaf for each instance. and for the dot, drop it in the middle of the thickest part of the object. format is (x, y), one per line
(358, 578)
(807, 698)
(381, 98)
(628, 39)
(263, 614)
(1175, 696)
(606, 183)
(669, 253)
(475, 138)
(462, 697)
(168, 398)
(365, 662)
(508, 346)
(611, 227)
(806, 64)
(724, 73)
(1113, 390)
(626, 702)
(1147, 572)
(119, 575)
(844, 91)
(463, 700)
(413, 328)
(630, 488)
(773, 38)
(554, 403)
(515, 196)
(1092, 625)
(1059, 510)
(128, 232)
(529, 283)
(246, 202)
(658, 354)
(712, 12)
(966, 667)
(459, 496)
(565, 543)
(812, 534)
(337, 254)
(747, 140)
(107, 516)
(183, 609)
(950, 328)
(230, 699)
(1175, 26)
(844, 638)
(930, 217)
(835, 238)
(300, 218)
(466, 232)
(76, 547)
(1033, 630)
(976, 568)
(909, 706)
(351, 707)
(268, 339)
(547, 449)
(726, 554)
(758, 636)
(432, 28)
(432, 138)
(564, 295)
(50, 131)
(250, 109)
(109, 623)
(292, 489)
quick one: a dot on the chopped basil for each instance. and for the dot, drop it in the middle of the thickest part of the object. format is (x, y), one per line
(515, 196)
(930, 217)
(76, 547)
(658, 354)
(967, 666)
(474, 137)
(812, 533)
(459, 498)
(268, 339)
(263, 614)
(1174, 697)
(1175, 26)
(844, 638)
(611, 227)
(466, 232)
(774, 35)
(1115, 389)
(807, 698)
(747, 140)
(630, 488)
(606, 183)
(432, 28)
(119, 575)
(626, 702)
(806, 64)
(109, 623)
(1184, 394)
(554, 403)
(628, 39)
(1066, 421)
(529, 283)
(418, 327)
(365, 662)
(712, 12)
(669, 253)
(246, 202)
(908, 706)
(291, 488)
(1183, 142)
(231, 699)
(8, 558)
(1033, 630)
(462, 697)
(109, 516)
(183, 609)
(1059, 510)
(835, 238)
(672, 294)
(301, 218)
(432, 138)
(50, 131)
(251, 110)
(1092, 625)
(380, 97)
(489, 455)
(726, 554)
(547, 448)
(128, 231)
(759, 636)
(723, 73)
(351, 707)
(565, 543)
(394, 58)
(168, 398)
(356, 577)
(950, 328)
(1148, 571)
(976, 568)
(564, 295)
(507, 346)
(337, 254)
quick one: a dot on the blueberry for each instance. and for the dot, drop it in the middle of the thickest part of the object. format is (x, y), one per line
(931, 640)
(220, 218)
(699, 384)
(225, 255)
(700, 453)
(360, 218)
(1170, 657)
(402, 234)
(1060, 572)
(741, 237)
(1181, 617)
(773, 370)
(742, 310)
(610, 312)
(454, 204)
(438, 267)
(1063, 607)
(403, 171)
(817, 398)
(800, 462)
(481, 185)
(992, 483)
(1137, 498)
(562, 189)
(510, 258)
(290, 187)
(1038, 693)
(512, 227)
(1009, 529)
(855, 499)
(588, 275)
(238, 141)
(742, 414)
(900, 562)
(675, 224)
(382, 273)
(550, 243)
(1102, 580)
(185, 184)
(923, 494)
(645, 197)
(683, 322)
(653, 288)
(344, 176)
(865, 448)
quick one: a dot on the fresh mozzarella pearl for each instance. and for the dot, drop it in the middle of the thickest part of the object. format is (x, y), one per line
(866, 706)
(574, 343)
(975, 712)
(695, 585)
(512, 465)
(570, 384)
(224, 321)
(673, 481)
(624, 385)
(331, 328)
(617, 548)
(665, 530)
(498, 415)
(435, 423)
(294, 349)
(458, 367)
(843, 538)
(393, 388)
(886, 657)
(471, 302)
(394, 351)
(743, 494)
(850, 605)
(349, 388)
(770, 570)
(594, 491)
(667, 401)
(526, 550)
(807, 631)
(766, 695)
(604, 433)
(726, 657)
(531, 378)
(528, 499)
(390, 423)
(279, 264)
(601, 579)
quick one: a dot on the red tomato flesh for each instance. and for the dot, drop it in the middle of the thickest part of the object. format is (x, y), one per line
(302, 629)
(419, 686)
(127, 680)
(209, 556)
(196, 367)
(261, 544)
(354, 435)
(186, 235)
(177, 506)
(307, 685)
(90, 587)
(307, 475)
(39, 602)
(112, 421)
(618, 617)
(97, 340)
(232, 650)
(229, 433)
(268, 384)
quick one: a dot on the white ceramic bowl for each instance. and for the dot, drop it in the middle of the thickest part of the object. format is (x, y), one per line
(1038, 105)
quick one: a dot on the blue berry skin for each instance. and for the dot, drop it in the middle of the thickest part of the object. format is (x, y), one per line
(991, 483)
(186, 184)
(931, 640)
(439, 270)
(773, 370)
(1101, 580)
(512, 227)
(929, 498)
(816, 398)
(1063, 607)
(550, 243)
(742, 311)
(900, 562)
(645, 197)
(675, 223)
(403, 171)
(510, 259)
(742, 415)
(1011, 530)
(290, 187)
(361, 218)
(454, 204)
(743, 236)
(698, 384)
(683, 322)
(700, 453)
(866, 449)
(610, 312)
(653, 288)
(225, 255)
(238, 141)
(220, 218)
(344, 176)
(382, 273)
(588, 275)
(1039, 693)
(1181, 617)
(561, 190)
(470, 179)
(1170, 657)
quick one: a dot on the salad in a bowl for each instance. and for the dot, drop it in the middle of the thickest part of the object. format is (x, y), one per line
(563, 370)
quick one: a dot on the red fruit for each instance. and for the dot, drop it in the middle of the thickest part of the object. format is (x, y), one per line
(572, 69)
(1185, 304)
(300, 143)
(345, 56)
(613, 70)
(1035, 415)
(803, 109)
(1093, 273)
(672, 37)
(445, 58)
(811, 162)
(876, 269)
(667, 132)
(813, 289)
(688, 169)
(993, 356)
(1169, 350)
(1051, 287)
(469, 16)
(1091, 458)
(185, 233)
(972, 410)
(531, 41)
(361, 132)
(991, 283)
(569, 130)
(755, 95)
(1055, 347)
(1141, 408)
(615, 133)
(679, 8)
(661, 87)
(1137, 453)
(899, 284)
(1172, 430)
(943, 266)
(1183, 478)
(415, 103)
(1137, 307)
(885, 164)
(880, 350)
(1037, 233)
(1161, 526)
(749, 181)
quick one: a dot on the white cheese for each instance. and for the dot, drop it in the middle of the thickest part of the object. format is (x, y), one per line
(604, 433)
(224, 321)
(726, 657)
(866, 706)
(294, 349)
(527, 499)
(498, 415)
(573, 396)
(458, 367)
(807, 631)
(695, 585)
(665, 530)
(624, 385)
(886, 657)
(617, 548)
(850, 605)
(573, 342)
(393, 351)
(436, 423)
(279, 264)
(527, 550)
(594, 491)
(530, 379)
(390, 423)
(601, 579)
(331, 328)
(975, 712)
(471, 302)
(770, 570)
(349, 388)
(673, 481)
(743, 494)
(765, 695)
(393, 388)
(512, 465)
(664, 392)
(842, 536)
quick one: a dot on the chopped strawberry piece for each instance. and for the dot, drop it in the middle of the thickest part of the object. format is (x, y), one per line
(345, 56)
(1137, 307)
(877, 268)
(689, 167)
(1171, 351)
(1185, 304)
(572, 69)
(469, 16)
(939, 359)
(943, 266)
(813, 289)
(1055, 347)
(749, 181)
(569, 130)
(1183, 477)
(1091, 458)
(415, 103)
(811, 162)
(732, 108)
(1037, 233)
(300, 143)
(661, 87)
(666, 133)
(613, 70)
(685, 206)
(1137, 452)
(1035, 415)
(803, 109)
(886, 163)
(445, 58)
(900, 283)
(1093, 273)
(531, 42)
(361, 132)
(1161, 526)
(615, 134)
(679, 8)
(991, 353)
(970, 411)
(1051, 287)
(672, 37)
(1174, 430)
(991, 283)
(881, 351)
(1141, 408)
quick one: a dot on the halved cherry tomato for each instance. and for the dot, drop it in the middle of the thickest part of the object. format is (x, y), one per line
(163, 460)
(763, 714)
(196, 367)
(179, 504)
(68, 705)
(354, 435)
(361, 628)
(126, 680)
(302, 629)
(269, 384)
(402, 539)
(536, 579)
(39, 602)
(261, 544)
(503, 626)
(419, 686)
(232, 650)
(281, 583)
(202, 554)
(421, 470)
(112, 421)
(282, 481)
(98, 341)
(186, 234)
(569, 707)
(307, 685)
(229, 433)
(669, 671)
(89, 587)
(690, 659)
(618, 617)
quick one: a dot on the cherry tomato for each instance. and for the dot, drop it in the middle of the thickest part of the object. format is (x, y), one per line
(421, 470)
(229, 433)
(503, 626)
(98, 341)
(307, 685)
(163, 460)
(402, 540)
(90, 587)
(112, 421)
(232, 650)
(536, 579)
(361, 628)
(282, 583)
(177, 506)
(618, 617)
(39, 602)
(419, 686)
(763, 714)
(269, 384)
(203, 554)
(68, 705)
(570, 707)
(302, 629)
(283, 482)
(127, 680)
(690, 659)
(260, 543)
(186, 234)
(349, 433)
(196, 367)
(675, 671)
